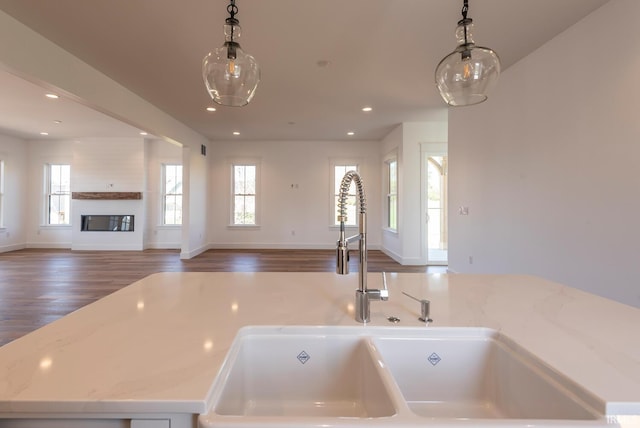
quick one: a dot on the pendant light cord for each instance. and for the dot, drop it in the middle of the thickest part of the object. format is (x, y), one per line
(465, 21)
(233, 10)
(232, 22)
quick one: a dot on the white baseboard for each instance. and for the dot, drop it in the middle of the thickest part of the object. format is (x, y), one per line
(12, 247)
(412, 261)
(281, 246)
(106, 247)
(392, 254)
(191, 254)
(404, 261)
(49, 245)
(163, 246)
(263, 246)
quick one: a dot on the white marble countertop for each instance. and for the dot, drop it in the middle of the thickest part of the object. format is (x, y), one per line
(157, 345)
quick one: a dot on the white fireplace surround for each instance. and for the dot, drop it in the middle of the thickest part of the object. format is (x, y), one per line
(115, 241)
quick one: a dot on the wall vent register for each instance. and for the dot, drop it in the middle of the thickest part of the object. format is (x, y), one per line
(107, 223)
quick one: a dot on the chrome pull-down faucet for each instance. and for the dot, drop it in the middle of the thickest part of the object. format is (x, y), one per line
(363, 294)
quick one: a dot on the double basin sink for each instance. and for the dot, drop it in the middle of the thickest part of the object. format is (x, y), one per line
(436, 377)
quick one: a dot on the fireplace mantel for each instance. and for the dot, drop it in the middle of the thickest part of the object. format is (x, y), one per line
(120, 196)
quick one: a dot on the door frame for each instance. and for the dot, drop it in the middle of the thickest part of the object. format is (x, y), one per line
(426, 150)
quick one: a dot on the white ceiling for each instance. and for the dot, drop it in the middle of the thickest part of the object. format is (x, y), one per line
(25, 112)
(381, 53)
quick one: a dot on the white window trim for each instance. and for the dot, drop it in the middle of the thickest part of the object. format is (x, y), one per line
(163, 180)
(254, 161)
(388, 159)
(2, 196)
(243, 226)
(168, 226)
(333, 162)
(45, 200)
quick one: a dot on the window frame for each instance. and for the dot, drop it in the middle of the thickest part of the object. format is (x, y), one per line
(389, 193)
(253, 162)
(48, 193)
(164, 194)
(2, 181)
(334, 184)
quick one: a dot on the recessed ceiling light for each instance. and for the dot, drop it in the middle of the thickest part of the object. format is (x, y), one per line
(57, 122)
(44, 133)
(143, 133)
(211, 109)
(236, 133)
(367, 109)
(52, 96)
(351, 133)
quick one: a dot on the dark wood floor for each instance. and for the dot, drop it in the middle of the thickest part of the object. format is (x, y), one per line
(40, 286)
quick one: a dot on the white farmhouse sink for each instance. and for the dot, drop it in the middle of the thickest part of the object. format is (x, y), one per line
(303, 375)
(479, 377)
(390, 376)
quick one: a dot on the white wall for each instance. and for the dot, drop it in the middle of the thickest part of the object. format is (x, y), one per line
(549, 165)
(392, 240)
(40, 235)
(196, 178)
(13, 230)
(291, 217)
(108, 165)
(97, 165)
(157, 235)
(407, 245)
(414, 210)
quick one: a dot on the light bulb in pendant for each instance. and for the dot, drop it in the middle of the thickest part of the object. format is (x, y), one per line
(467, 65)
(466, 71)
(232, 48)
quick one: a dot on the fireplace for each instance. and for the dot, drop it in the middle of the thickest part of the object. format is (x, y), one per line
(107, 223)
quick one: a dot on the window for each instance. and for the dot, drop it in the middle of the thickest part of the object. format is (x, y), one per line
(338, 172)
(58, 194)
(392, 194)
(1, 193)
(171, 194)
(244, 200)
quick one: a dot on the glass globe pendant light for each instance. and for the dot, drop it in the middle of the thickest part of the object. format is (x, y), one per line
(467, 75)
(230, 74)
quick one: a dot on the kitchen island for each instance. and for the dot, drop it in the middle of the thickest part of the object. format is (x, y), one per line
(148, 355)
